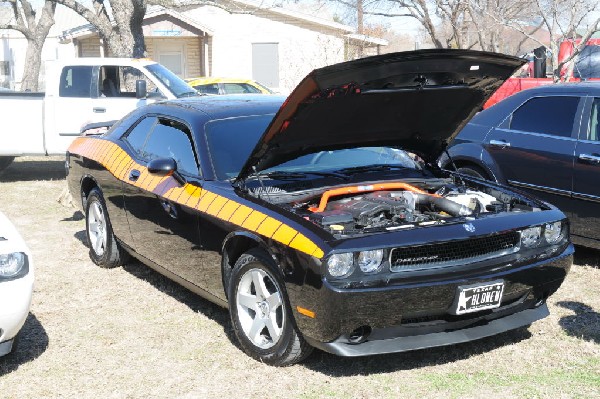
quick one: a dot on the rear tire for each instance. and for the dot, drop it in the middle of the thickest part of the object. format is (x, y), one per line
(105, 251)
(5, 162)
(260, 313)
(474, 171)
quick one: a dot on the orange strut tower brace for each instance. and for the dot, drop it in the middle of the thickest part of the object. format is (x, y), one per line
(361, 189)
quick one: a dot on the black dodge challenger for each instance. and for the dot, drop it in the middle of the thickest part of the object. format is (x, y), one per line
(322, 220)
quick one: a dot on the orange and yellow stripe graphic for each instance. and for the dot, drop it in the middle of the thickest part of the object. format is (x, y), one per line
(120, 164)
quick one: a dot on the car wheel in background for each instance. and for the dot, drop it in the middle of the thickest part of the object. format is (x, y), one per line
(104, 249)
(260, 313)
(473, 171)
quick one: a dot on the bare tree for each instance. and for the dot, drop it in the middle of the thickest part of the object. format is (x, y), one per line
(35, 30)
(563, 19)
(123, 32)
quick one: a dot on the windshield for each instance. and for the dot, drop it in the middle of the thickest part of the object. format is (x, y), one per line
(177, 86)
(230, 142)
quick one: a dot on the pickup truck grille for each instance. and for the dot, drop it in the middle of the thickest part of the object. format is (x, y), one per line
(452, 253)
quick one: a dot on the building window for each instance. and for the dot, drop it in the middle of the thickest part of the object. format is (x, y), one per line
(265, 63)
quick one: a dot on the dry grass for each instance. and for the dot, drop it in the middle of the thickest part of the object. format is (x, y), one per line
(129, 332)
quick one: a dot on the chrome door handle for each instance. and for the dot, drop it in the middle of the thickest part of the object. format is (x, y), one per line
(499, 143)
(589, 158)
(99, 110)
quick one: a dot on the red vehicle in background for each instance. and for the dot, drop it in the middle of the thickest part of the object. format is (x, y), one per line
(586, 66)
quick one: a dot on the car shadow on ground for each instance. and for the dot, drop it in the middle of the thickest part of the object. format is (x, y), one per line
(585, 323)
(33, 170)
(587, 256)
(324, 362)
(31, 343)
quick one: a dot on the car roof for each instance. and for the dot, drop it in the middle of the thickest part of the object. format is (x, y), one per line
(210, 80)
(592, 87)
(220, 107)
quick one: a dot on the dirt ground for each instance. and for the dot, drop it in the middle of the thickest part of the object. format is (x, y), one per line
(130, 333)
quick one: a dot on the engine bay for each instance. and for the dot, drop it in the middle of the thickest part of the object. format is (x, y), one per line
(351, 210)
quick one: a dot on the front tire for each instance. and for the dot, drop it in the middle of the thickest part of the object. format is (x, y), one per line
(473, 171)
(260, 312)
(105, 251)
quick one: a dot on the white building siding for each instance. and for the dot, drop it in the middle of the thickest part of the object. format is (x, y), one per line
(300, 49)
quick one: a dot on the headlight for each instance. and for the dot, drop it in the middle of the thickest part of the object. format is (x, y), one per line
(369, 261)
(11, 264)
(531, 237)
(340, 265)
(553, 232)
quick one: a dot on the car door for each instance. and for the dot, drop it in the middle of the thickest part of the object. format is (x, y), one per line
(163, 231)
(585, 221)
(534, 146)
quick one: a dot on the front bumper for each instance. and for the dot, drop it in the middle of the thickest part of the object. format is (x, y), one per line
(416, 315)
(15, 300)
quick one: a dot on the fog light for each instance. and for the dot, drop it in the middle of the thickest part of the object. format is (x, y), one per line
(340, 265)
(369, 261)
(531, 237)
(553, 232)
(11, 264)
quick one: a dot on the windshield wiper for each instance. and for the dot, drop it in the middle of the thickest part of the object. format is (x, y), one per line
(371, 168)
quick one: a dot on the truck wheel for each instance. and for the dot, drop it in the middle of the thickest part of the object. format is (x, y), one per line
(5, 162)
(105, 251)
(260, 312)
(473, 171)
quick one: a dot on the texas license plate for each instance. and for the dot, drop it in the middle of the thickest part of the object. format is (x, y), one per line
(473, 298)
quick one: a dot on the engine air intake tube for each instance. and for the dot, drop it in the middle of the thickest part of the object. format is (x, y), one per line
(443, 204)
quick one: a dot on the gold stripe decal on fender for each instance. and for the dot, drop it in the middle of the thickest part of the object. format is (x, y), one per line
(120, 164)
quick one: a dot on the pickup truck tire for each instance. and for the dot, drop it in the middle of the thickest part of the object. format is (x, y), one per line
(105, 251)
(5, 162)
(261, 316)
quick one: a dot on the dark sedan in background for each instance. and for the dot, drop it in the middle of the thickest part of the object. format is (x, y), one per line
(545, 141)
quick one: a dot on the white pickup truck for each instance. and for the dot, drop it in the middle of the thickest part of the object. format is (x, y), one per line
(79, 92)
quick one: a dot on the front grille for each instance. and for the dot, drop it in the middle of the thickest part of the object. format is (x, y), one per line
(451, 253)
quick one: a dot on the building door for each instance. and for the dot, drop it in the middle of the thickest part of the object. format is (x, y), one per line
(265, 64)
(171, 53)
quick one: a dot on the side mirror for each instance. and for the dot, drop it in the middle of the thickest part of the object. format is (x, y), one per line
(165, 167)
(140, 89)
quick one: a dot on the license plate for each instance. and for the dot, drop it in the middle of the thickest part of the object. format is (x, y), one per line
(473, 298)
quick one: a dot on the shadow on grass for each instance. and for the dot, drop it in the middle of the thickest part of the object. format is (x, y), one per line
(585, 323)
(182, 294)
(33, 170)
(32, 341)
(326, 363)
(587, 256)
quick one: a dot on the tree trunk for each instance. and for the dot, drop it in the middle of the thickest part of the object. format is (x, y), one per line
(33, 62)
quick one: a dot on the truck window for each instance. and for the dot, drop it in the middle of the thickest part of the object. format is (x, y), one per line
(75, 81)
(587, 65)
(547, 115)
(119, 81)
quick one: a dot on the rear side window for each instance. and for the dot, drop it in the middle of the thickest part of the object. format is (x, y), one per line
(212, 88)
(76, 81)
(239, 88)
(594, 128)
(547, 115)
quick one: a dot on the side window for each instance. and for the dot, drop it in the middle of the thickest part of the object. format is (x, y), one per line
(239, 88)
(212, 88)
(137, 136)
(75, 81)
(594, 128)
(119, 81)
(547, 115)
(171, 139)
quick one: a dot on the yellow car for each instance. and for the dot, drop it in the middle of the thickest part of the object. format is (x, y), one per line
(212, 85)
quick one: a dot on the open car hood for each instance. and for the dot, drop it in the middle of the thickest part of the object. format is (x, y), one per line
(417, 101)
